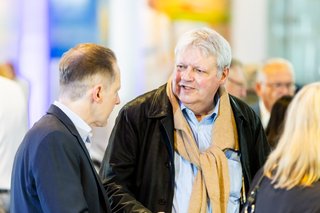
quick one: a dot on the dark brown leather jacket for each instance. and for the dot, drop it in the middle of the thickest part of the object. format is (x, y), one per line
(138, 166)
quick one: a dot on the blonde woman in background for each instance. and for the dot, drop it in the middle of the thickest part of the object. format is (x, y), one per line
(292, 171)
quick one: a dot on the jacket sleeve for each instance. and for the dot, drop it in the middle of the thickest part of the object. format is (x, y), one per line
(119, 167)
(253, 144)
(257, 150)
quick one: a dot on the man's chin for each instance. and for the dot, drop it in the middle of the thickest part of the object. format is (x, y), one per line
(186, 100)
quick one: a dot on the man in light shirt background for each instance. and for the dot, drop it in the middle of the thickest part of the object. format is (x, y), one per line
(236, 83)
(274, 80)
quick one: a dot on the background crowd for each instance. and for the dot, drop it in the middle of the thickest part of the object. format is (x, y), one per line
(198, 98)
(165, 143)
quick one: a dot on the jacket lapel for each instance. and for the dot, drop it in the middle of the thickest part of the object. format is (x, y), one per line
(65, 120)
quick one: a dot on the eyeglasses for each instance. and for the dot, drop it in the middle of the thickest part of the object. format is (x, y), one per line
(279, 85)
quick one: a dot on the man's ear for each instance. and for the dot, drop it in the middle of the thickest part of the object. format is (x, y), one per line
(224, 75)
(258, 88)
(97, 93)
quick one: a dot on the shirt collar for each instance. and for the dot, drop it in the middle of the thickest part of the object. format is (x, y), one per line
(264, 114)
(84, 130)
(211, 115)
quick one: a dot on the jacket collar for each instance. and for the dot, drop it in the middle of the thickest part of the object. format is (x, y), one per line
(238, 113)
(65, 120)
(57, 112)
(160, 105)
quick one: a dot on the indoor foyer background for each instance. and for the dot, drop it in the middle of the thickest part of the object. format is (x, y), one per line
(34, 34)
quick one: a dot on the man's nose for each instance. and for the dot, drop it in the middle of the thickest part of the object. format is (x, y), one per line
(188, 74)
(285, 90)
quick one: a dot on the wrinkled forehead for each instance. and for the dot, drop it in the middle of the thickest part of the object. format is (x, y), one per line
(190, 51)
(201, 49)
(194, 58)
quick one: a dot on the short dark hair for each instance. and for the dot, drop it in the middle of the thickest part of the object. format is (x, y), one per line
(85, 60)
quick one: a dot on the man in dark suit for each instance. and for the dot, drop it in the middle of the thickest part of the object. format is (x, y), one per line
(52, 170)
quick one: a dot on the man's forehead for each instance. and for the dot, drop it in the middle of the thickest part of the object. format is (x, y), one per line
(277, 68)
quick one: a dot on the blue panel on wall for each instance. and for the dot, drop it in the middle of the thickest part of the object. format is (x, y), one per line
(71, 22)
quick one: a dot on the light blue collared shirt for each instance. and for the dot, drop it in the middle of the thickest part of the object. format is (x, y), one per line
(185, 172)
(84, 130)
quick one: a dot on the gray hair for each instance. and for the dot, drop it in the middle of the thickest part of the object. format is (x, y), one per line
(210, 43)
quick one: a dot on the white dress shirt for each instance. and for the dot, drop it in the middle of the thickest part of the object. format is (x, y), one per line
(82, 127)
(264, 114)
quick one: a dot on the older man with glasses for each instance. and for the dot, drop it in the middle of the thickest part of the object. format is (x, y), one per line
(236, 83)
(274, 80)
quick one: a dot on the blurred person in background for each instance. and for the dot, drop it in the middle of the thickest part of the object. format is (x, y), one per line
(13, 126)
(236, 83)
(8, 70)
(276, 121)
(53, 171)
(290, 181)
(274, 80)
(187, 146)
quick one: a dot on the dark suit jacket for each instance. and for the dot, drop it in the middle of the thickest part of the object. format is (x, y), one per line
(256, 108)
(53, 172)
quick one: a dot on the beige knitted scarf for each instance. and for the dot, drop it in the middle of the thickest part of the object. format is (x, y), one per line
(212, 179)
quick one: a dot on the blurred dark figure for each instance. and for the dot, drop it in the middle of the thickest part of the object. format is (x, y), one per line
(8, 70)
(277, 117)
